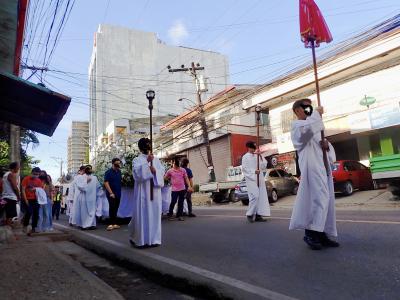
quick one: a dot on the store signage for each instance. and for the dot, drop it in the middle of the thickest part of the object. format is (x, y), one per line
(385, 116)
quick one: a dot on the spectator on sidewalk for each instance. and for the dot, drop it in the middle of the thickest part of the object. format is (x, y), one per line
(314, 209)
(188, 195)
(179, 178)
(45, 221)
(11, 193)
(56, 203)
(29, 184)
(112, 183)
(145, 225)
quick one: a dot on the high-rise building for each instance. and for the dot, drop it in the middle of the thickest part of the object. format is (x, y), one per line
(78, 146)
(126, 63)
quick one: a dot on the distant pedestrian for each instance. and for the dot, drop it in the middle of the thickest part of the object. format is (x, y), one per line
(178, 178)
(57, 198)
(11, 193)
(64, 201)
(145, 225)
(314, 209)
(29, 184)
(188, 194)
(258, 197)
(112, 183)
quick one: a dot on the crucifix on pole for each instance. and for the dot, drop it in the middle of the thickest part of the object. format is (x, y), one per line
(150, 94)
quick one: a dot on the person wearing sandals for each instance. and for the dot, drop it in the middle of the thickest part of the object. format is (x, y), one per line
(112, 183)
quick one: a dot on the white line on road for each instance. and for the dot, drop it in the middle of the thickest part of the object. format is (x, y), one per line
(340, 220)
(250, 288)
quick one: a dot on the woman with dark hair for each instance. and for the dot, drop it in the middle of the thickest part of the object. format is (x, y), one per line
(45, 211)
(179, 178)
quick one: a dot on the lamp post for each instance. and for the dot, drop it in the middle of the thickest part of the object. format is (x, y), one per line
(150, 94)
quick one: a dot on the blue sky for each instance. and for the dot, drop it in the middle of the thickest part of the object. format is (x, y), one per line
(260, 37)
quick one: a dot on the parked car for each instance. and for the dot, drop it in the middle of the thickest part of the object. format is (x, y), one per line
(278, 182)
(349, 175)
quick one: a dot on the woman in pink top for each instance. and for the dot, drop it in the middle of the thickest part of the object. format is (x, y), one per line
(178, 177)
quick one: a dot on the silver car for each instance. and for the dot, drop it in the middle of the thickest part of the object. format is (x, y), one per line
(278, 182)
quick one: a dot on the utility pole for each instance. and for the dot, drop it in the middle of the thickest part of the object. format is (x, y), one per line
(203, 122)
(60, 161)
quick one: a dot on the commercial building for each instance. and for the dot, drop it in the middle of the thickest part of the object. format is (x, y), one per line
(229, 127)
(126, 63)
(78, 146)
(360, 92)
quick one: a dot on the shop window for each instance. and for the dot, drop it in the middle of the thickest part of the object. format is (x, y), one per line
(396, 140)
(374, 141)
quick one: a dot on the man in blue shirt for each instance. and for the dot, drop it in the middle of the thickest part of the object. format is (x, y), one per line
(112, 183)
(188, 196)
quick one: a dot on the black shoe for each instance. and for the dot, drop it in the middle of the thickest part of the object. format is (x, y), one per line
(314, 244)
(250, 219)
(260, 219)
(192, 215)
(326, 242)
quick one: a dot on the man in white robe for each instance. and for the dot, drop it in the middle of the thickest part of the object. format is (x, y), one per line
(145, 225)
(314, 209)
(258, 197)
(71, 195)
(84, 213)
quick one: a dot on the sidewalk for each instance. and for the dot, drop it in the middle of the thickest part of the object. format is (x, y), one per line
(36, 268)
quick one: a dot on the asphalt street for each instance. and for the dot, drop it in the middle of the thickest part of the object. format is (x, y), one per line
(269, 256)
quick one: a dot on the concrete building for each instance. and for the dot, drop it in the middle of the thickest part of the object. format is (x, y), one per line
(78, 146)
(125, 63)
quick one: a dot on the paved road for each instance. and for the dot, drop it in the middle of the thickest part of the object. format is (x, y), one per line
(269, 256)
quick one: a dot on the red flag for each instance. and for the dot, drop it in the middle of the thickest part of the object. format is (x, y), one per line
(312, 24)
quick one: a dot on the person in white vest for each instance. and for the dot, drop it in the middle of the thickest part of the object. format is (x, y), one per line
(314, 209)
(145, 225)
(258, 197)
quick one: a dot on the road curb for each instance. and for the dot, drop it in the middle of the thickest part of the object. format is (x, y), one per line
(167, 274)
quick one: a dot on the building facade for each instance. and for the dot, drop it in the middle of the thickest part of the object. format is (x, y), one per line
(229, 127)
(126, 63)
(367, 68)
(78, 146)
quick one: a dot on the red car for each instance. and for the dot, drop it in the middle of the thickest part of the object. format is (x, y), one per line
(349, 175)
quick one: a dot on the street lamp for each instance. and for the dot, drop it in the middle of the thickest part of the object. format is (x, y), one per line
(150, 94)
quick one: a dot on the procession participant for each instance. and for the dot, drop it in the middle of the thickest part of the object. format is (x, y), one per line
(314, 209)
(71, 192)
(81, 214)
(145, 225)
(112, 183)
(258, 197)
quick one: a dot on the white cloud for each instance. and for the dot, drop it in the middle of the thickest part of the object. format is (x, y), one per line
(177, 32)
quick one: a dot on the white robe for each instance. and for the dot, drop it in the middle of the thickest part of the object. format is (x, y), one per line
(314, 207)
(145, 225)
(84, 211)
(258, 197)
(102, 205)
(70, 204)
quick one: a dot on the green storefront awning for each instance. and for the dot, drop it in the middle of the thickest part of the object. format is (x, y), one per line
(31, 106)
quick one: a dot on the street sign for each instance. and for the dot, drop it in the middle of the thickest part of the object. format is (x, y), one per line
(367, 101)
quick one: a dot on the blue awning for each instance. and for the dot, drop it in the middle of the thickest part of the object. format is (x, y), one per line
(31, 106)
